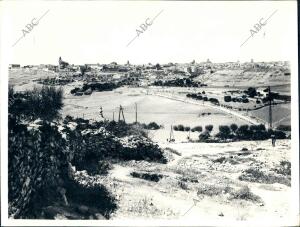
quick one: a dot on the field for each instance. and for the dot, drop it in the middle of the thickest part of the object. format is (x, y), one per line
(163, 111)
(281, 114)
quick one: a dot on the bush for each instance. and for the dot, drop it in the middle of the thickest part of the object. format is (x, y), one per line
(243, 132)
(175, 127)
(279, 134)
(213, 190)
(214, 100)
(180, 128)
(93, 196)
(233, 127)
(147, 176)
(197, 129)
(187, 128)
(224, 131)
(256, 175)
(284, 128)
(153, 126)
(227, 98)
(40, 103)
(245, 100)
(209, 128)
(245, 194)
(203, 137)
(251, 92)
(284, 168)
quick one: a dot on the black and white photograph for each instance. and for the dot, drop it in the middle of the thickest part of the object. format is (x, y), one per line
(149, 113)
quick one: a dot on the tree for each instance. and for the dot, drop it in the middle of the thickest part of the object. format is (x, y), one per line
(187, 128)
(209, 128)
(197, 129)
(157, 66)
(251, 92)
(243, 132)
(227, 98)
(233, 127)
(224, 131)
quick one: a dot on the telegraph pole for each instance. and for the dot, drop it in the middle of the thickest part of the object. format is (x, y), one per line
(135, 113)
(119, 113)
(121, 110)
(270, 107)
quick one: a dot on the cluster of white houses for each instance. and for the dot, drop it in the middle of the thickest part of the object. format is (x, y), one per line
(147, 73)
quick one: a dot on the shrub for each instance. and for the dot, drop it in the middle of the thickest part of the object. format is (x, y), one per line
(227, 98)
(40, 103)
(187, 128)
(197, 129)
(224, 131)
(284, 168)
(94, 196)
(147, 176)
(213, 190)
(256, 175)
(209, 128)
(182, 185)
(243, 132)
(245, 194)
(214, 100)
(251, 92)
(180, 128)
(153, 126)
(284, 128)
(175, 127)
(245, 100)
(203, 137)
(278, 134)
(233, 127)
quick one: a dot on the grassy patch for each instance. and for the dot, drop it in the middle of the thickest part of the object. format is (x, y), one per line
(146, 207)
(182, 185)
(284, 168)
(213, 190)
(147, 176)
(245, 194)
(256, 175)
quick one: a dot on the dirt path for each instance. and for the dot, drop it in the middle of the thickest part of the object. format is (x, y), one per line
(247, 118)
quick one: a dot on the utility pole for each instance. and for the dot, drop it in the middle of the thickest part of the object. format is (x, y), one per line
(171, 135)
(121, 110)
(119, 113)
(123, 114)
(135, 113)
(270, 108)
(113, 116)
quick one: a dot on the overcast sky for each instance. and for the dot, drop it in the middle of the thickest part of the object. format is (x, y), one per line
(98, 32)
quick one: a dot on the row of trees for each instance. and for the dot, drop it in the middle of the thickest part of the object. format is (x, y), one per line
(204, 98)
(185, 82)
(194, 129)
(234, 132)
(246, 132)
